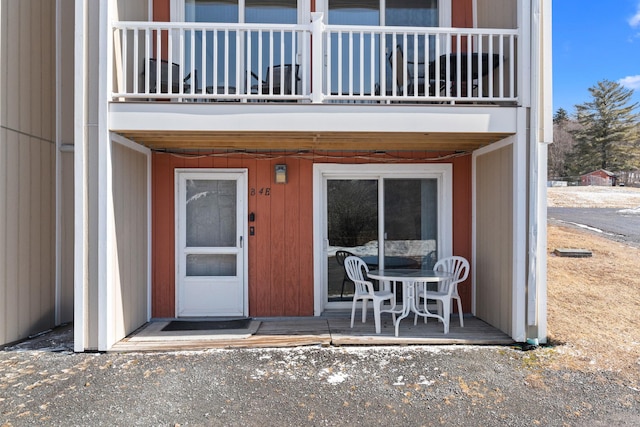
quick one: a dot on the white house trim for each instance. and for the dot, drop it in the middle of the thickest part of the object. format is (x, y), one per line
(259, 117)
(106, 218)
(80, 183)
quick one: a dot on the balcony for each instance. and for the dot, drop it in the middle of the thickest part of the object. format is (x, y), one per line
(313, 64)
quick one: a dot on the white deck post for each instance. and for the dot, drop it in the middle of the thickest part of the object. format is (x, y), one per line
(317, 34)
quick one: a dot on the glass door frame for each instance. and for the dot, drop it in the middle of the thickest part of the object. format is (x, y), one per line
(442, 172)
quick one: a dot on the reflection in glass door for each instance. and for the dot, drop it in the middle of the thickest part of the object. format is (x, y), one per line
(410, 223)
(352, 226)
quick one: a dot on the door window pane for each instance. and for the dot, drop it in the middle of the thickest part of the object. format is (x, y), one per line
(352, 225)
(411, 220)
(271, 12)
(347, 12)
(344, 12)
(211, 208)
(220, 52)
(211, 265)
(412, 13)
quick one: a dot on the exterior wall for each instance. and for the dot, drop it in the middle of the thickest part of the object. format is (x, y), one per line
(27, 168)
(280, 254)
(128, 284)
(462, 13)
(65, 162)
(497, 14)
(494, 238)
(66, 238)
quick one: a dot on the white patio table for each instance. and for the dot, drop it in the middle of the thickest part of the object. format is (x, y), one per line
(409, 292)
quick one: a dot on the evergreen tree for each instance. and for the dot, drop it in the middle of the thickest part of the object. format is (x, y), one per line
(606, 136)
(563, 143)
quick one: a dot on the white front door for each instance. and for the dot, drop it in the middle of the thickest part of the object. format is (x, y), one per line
(210, 249)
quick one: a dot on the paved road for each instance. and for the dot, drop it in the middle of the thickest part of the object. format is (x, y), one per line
(610, 222)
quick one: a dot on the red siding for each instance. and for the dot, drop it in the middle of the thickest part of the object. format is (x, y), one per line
(462, 220)
(462, 13)
(281, 252)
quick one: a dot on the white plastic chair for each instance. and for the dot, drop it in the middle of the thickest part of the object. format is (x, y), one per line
(364, 291)
(447, 290)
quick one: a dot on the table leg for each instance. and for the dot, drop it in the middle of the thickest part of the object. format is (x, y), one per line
(408, 301)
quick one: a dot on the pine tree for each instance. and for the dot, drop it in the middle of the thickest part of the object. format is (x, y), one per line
(563, 143)
(606, 136)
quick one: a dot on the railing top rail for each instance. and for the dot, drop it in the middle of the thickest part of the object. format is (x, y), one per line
(427, 30)
(132, 25)
(302, 27)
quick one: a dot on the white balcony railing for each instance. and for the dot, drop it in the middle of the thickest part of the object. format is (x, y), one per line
(312, 63)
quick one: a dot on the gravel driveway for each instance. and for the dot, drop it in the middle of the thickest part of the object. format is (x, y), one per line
(453, 385)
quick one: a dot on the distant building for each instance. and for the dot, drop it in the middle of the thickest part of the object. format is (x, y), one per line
(600, 177)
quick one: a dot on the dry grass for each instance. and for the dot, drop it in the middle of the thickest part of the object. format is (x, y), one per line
(594, 303)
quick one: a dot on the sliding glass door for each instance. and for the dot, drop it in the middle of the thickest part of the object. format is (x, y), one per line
(215, 53)
(371, 50)
(389, 216)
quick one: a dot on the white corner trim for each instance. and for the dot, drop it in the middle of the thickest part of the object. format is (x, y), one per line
(58, 167)
(80, 187)
(105, 179)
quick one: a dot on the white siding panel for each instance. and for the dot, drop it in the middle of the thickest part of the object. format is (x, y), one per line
(66, 236)
(497, 14)
(27, 165)
(129, 287)
(494, 239)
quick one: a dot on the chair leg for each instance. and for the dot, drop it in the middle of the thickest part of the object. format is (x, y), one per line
(364, 310)
(353, 310)
(376, 315)
(446, 315)
(460, 312)
(344, 280)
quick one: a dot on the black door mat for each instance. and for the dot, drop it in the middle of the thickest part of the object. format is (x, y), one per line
(206, 325)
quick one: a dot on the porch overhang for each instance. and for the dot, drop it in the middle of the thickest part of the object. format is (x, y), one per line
(286, 126)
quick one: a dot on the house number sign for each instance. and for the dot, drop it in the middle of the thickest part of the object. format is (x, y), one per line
(264, 191)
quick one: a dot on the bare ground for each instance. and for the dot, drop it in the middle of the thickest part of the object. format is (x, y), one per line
(594, 303)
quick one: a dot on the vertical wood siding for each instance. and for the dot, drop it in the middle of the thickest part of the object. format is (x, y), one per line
(497, 14)
(281, 252)
(27, 168)
(494, 238)
(129, 286)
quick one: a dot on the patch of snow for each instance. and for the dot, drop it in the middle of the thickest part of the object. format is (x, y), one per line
(635, 211)
(337, 378)
(597, 230)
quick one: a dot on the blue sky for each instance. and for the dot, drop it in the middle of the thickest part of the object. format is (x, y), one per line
(594, 41)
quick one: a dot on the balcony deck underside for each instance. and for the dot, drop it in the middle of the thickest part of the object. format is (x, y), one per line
(311, 127)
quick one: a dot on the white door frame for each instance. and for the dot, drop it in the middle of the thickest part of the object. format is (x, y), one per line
(443, 172)
(242, 181)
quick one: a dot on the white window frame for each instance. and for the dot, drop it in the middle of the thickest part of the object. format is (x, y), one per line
(304, 11)
(444, 11)
(443, 172)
